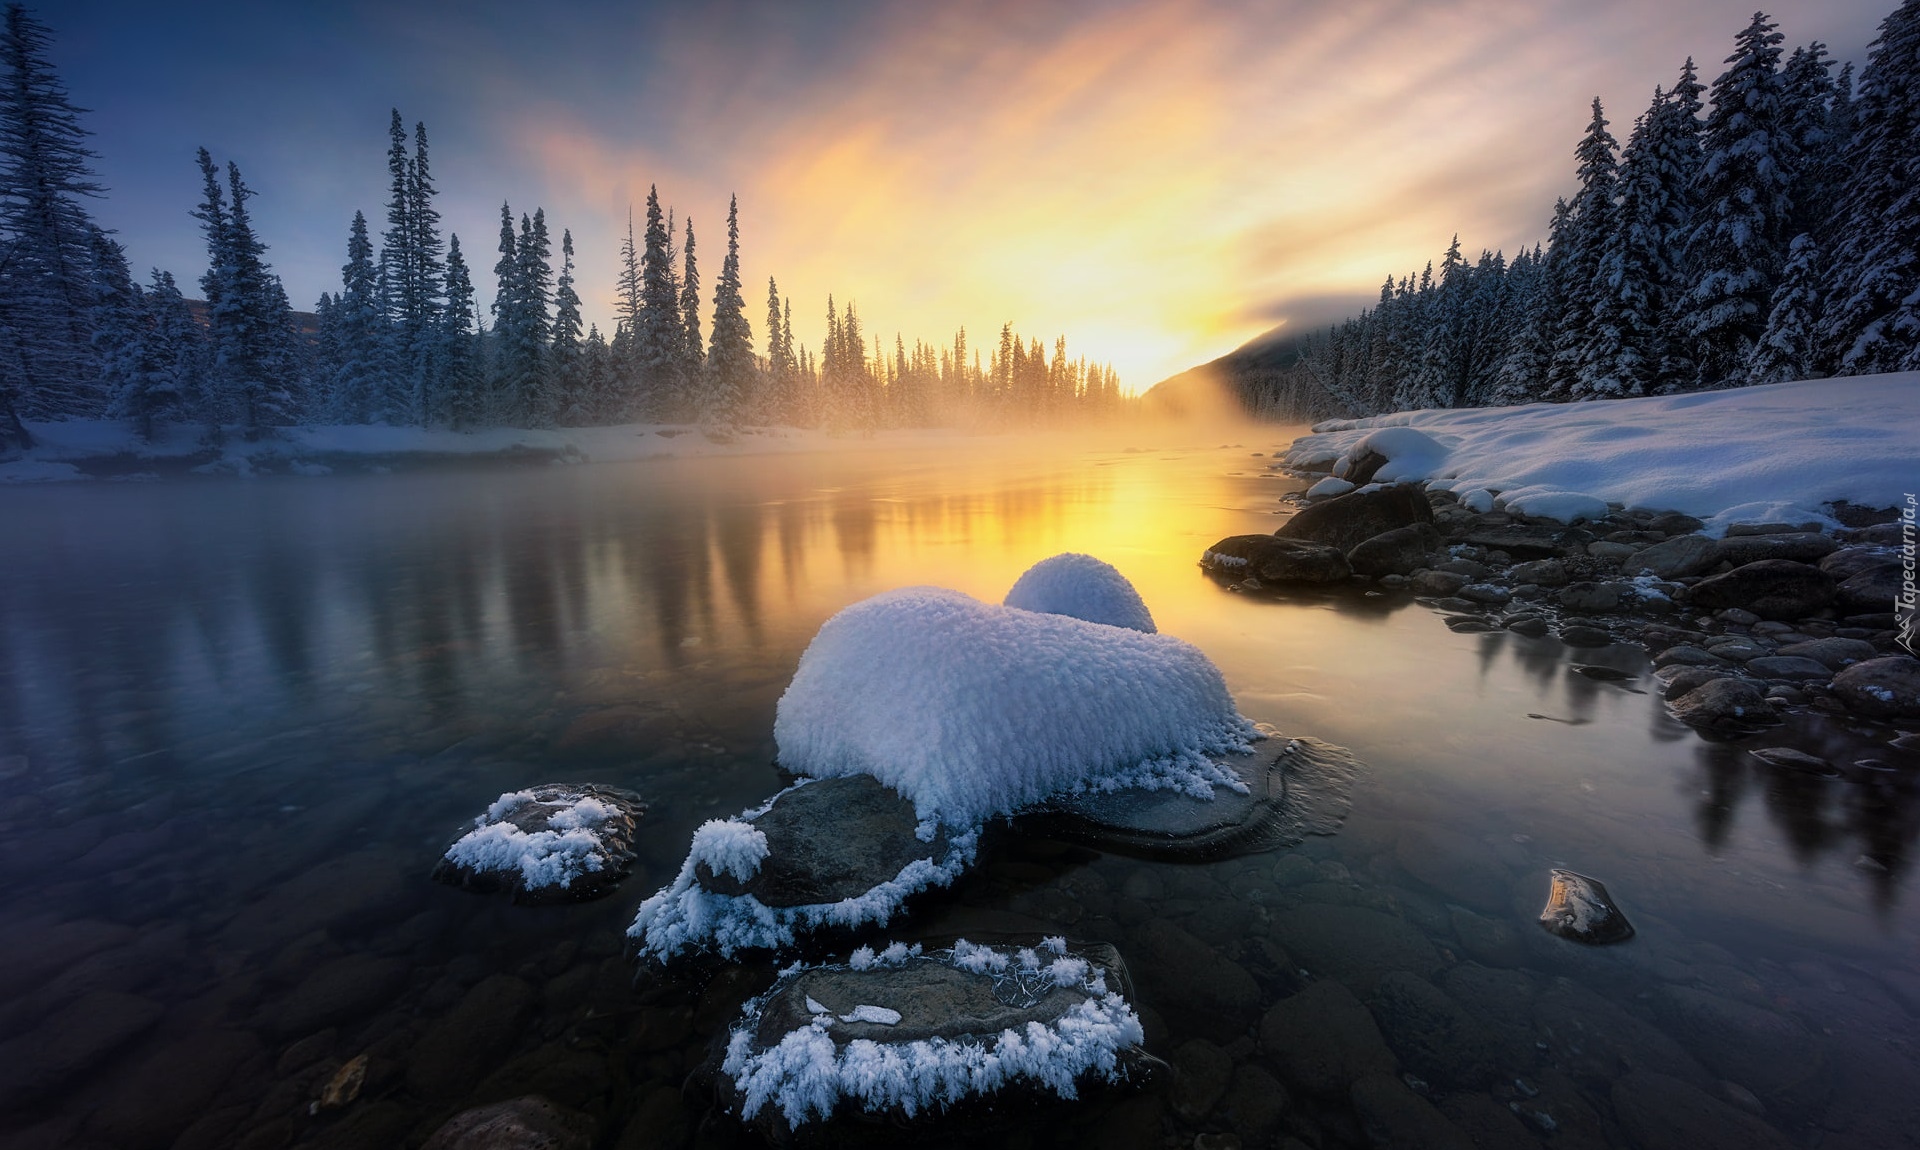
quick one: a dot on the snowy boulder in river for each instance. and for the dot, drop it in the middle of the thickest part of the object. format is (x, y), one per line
(1081, 587)
(972, 710)
(557, 842)
(842, 853)
(904, 1034)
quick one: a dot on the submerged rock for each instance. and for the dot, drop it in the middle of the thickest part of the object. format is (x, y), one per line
(530, 1123)
(557, 842)
(1272, 560)
(1301, 787)
(902, 1034)
(841, 852)
(1580, 910)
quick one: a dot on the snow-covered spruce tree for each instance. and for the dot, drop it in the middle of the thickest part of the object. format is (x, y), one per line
(249, 325)
(1871, 323)
(778, 399)
(1638, 267)
(1806, 95)
(1537, 305)
(138, 387)
(1589, 226)
(597, 371)
(413, 274)
(530, 371)
(624, 347)
(356, 393)
(1737, 244)
(47, 361)
(569, 375)
(660, 337)
(509, 323)
(693, 354)
(1784, 351)
(462, 359)
(1433, 379)
(731, 371)
(179, 344)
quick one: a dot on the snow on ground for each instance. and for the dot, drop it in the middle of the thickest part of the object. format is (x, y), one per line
(1081, 587)
(1751, 454)
(309, 450)
(806, 1074)
(973, 710)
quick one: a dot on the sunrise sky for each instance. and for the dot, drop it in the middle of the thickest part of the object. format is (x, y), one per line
(1158, 180)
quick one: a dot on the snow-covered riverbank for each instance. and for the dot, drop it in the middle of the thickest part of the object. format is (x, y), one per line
(83, 449)
(1779, 453)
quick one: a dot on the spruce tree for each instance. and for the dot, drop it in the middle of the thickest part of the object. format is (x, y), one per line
(1806, 94)
(463, 390)
(1785, 350)
(1874, 274)
(660, 338)
(1736, 248)
(249, 324)
(531, 378)
(180, 349)
(569, 377)
(356, 391)
(631, 299)
(131, 368)
(779, 397)
(1589, 226)
(1627, 346)
(693, 353)
(509, 321)
(731, 371)
(47, 362)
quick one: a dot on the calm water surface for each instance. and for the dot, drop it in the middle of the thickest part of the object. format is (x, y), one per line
(239, 722)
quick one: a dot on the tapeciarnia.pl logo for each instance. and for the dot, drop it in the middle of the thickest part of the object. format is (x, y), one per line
(1906, 618)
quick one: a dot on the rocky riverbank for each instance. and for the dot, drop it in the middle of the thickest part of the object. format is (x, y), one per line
(1773, 616)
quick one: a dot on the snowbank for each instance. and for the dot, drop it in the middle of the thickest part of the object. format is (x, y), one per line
(1081, 587)
(1751, 454)
(972, 710)
(806, 1074)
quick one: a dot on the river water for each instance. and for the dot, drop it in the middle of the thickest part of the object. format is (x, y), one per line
(240, 720)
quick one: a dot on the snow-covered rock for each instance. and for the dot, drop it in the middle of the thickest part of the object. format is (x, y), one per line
(904, 1034)
(973, 710)
(1081, 587)
(557, 842)
(842, 853)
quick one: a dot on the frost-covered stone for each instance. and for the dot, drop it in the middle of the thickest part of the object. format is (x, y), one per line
(972, 710)
(1081, 587)
(844, 852)
(1580, 910)
(901, 1034)
(1293, 788)
(557, 842)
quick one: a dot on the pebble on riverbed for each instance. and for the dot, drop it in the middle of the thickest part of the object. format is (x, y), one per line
(1580, 910)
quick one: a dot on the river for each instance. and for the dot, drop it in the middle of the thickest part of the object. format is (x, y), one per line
(240, 720)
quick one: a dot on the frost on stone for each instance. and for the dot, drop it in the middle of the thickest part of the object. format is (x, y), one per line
(552, 842)
(972, 710)
(1063, 1027)
(729, 846)
(1081, 587)
(1329, 487)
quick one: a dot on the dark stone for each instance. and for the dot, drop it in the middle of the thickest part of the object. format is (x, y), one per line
(1725, 704)
(1395, 1118)
(71, 1041)
(1458, 867)
(1353, 943)
(1526, 542)
(1544, 572)
(1272, 560)
(1579, 909)
(1871, 591)
(1201, 1072)
(1770, 588)
(340, 992)
(1832, 652)
(1850, 561)
(1595, 1038)
(1662, 1113)
(1883, 688)
(1349, 520)
(1433, 1036)
(1788, 759)
(1395, 552)
(1685, 679)
(1298, 788)
(1601, 597)
(172, 1087)
(1800, 547)
(1485, 594)
(1677, 557)
(830, 840)
(1254, 1103)
(529, 1123)
(1787, 667)
(1213, 994)
(1674, 523)
(1532, 626)
(1363, 467)
(1687, 655)
(1437, 584)
(1578, 635)
(614, 835)
(1322, 1039)
(1769, 1054)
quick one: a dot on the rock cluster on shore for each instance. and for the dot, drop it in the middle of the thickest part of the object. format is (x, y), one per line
(1773, 616)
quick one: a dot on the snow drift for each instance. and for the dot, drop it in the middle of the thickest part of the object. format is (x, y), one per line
(1753, 454)
(1081, 587)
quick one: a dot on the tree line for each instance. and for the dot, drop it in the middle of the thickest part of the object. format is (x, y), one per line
(402, 342)
(1771, 233)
